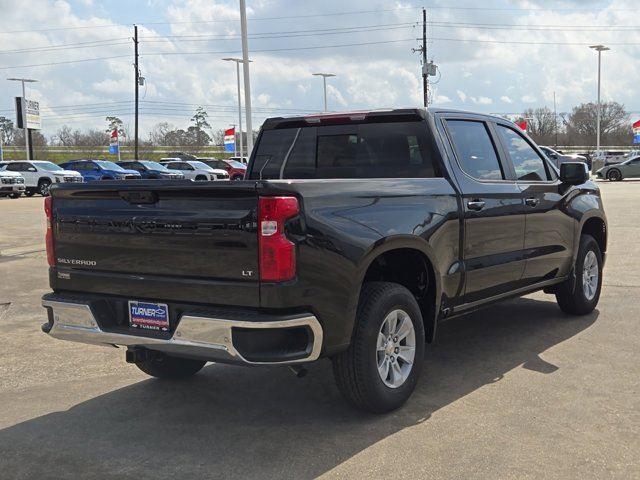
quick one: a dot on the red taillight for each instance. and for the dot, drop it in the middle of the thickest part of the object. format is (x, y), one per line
(48, 210)
(277, 253)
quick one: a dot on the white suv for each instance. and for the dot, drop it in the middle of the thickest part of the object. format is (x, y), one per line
(195, 170)
(11, 184)
(40, 175)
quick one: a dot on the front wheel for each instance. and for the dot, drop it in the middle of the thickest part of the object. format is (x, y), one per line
(15, 195)
(380, 370)
(583, 297)
(614, 175)
(30, 192)
(170, 368)
(43, 187)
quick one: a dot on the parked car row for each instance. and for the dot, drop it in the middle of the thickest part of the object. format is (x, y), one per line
(619, 171)
(558, 158)
(36, 176)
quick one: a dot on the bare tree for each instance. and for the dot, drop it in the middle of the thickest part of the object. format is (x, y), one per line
(541, 124)
(614, 125)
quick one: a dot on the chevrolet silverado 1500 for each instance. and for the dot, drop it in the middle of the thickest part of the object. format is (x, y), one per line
(352, 237)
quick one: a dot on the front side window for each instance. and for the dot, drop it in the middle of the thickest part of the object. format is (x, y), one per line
(528, 164)
(475, 150)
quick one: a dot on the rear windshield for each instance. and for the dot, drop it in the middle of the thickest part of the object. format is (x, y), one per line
(368, 150)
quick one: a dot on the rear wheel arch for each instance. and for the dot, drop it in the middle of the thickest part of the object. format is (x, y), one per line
(407, 262)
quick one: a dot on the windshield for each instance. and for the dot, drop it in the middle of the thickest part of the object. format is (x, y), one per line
(200, 165)
(154, 166)
(109, 165)
(235, 164)
(50, 166)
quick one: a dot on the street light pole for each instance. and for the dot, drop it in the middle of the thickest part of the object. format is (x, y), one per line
(599, 49)
(324, 84)
(24, 111)
(245, 71)
(238, 62)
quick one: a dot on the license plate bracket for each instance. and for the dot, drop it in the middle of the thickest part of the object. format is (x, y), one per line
(149, 315)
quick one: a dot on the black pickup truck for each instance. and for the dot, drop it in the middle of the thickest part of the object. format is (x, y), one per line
(352, 237)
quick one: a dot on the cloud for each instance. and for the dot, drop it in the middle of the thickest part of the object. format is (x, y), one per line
(441, 99)
(461, 95)
(529, 99)
(481, 100)
(506, 99)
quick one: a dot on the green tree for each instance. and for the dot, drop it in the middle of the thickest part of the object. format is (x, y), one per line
(115, 123)
(6, 130)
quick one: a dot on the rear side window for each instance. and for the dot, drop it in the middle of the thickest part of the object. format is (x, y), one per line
(528, 164)
(375, 150)
(475, 150)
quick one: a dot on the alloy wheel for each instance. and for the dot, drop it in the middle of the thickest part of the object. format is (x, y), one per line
(396, 348)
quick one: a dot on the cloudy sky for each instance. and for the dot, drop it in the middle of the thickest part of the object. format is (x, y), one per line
(503, 57)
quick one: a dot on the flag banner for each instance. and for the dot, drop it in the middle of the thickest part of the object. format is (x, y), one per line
(522, 125)
(113, 143)
(636, 132)
(230, 140)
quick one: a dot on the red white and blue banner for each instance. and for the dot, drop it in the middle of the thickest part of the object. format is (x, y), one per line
(636, 132)
(230, 140)
(114, 145)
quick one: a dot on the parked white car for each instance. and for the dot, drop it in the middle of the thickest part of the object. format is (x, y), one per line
(39, 175)
(194, 169)
(11, 184)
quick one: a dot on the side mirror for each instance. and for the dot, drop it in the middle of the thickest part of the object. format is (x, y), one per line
(574, 173)
(32, 169)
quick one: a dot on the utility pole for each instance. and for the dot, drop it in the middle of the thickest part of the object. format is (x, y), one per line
(24, 111)
(425, 72)
(599, 49)
(245, 71)
(137, 75)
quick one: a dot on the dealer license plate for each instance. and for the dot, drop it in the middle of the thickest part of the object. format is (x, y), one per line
(148, 315)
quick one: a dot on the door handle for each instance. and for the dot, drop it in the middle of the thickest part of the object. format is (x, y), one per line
(475, 205)
(531, 202)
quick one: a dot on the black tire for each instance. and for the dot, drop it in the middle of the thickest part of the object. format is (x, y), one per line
(356, 370)
(201, 178)
(30, 192)
(238, 178)
(614, 175)
(43, 187)
(14, 195)
(106, 178)
(574, 301)
(170, 368)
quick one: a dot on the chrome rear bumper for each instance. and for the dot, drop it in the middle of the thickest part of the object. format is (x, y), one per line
(207, 338)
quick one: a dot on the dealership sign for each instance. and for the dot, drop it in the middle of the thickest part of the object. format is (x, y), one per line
(28, 111)
(636, 132)
(114, 145)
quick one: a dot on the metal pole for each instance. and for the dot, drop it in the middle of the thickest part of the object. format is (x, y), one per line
(24, 120)
(137, 74)
(555, 118)
(239, 107)
(599, 107)
(324, 82)
(245, 71)
(425, 73)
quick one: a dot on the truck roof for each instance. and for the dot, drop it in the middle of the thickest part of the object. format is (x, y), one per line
(398, 114)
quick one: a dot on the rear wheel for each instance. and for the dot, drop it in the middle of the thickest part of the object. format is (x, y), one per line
(614, 175)
(30, 192)
(380, 370)
(15, 195)
(584, 296)
(170, 368)
(43, 187)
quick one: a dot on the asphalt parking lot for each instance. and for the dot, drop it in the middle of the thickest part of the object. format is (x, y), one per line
(518, 390)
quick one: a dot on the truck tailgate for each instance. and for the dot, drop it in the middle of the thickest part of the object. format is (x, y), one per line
(186, 236)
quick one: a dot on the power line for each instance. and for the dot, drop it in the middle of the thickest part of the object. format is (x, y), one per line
(65, 62)
(227, 20)
(67, 46)
(523, 42)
